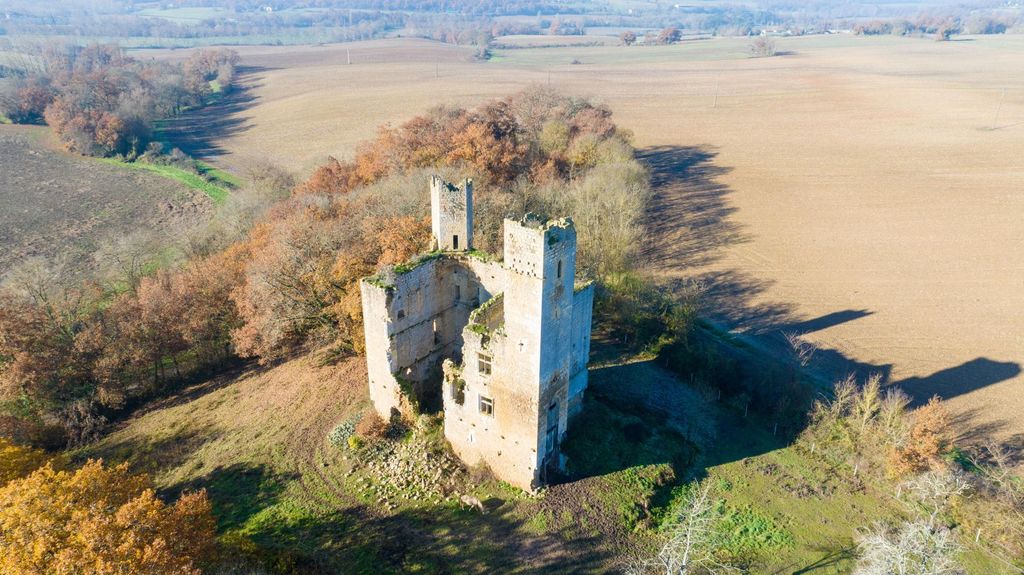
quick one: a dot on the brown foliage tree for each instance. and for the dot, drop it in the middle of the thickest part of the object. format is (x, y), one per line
(669, 35)
(930, 437)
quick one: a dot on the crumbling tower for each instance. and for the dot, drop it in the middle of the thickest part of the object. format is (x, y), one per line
(510, 337)
(451, 214)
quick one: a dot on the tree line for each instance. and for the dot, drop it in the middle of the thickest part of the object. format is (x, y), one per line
(101, 102)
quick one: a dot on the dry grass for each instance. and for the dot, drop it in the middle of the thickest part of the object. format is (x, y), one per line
(853, 177)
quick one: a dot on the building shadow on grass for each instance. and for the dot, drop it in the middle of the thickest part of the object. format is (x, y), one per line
(360, 540)
(238, 492)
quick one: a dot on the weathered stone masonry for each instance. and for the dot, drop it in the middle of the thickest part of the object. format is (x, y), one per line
(511, 338)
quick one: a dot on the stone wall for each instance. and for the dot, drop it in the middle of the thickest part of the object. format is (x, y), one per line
(413, 320)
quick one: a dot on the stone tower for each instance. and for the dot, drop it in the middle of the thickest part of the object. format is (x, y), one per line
(511, 338)
(451, 214)
(541, 310)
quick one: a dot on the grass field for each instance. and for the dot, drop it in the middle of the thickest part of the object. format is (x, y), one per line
(864, 191)
(64, 208)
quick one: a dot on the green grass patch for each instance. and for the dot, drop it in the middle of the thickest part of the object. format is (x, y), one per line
(218, 193)
(5, 120)
(218, 175)
(750, 532)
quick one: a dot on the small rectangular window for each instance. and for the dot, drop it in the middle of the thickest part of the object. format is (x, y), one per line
(559, 269)
(455, 242)
(487, 406)
(459, 391)
(458, 293)
(483, 363)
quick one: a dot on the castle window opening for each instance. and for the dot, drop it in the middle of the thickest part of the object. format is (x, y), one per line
(483, 363)
(559, 269)
(401, 314)
(458, 293)
(487, 406)
(459, 391)
(455, 242)
(552, 434)
(437, 334)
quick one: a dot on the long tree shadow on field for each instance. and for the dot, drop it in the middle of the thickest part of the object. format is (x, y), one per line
(198, 132)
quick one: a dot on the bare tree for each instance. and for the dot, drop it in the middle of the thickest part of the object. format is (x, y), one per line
(915, 548)
(693, 540)
(125, 258)
(934, 491)
(762, 47)
(803, 350)
(869, 402)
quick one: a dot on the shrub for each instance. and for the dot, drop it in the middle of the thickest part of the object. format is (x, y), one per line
(342, 433)
(372, 426)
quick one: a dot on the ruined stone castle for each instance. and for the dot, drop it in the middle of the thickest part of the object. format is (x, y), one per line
(504, 343)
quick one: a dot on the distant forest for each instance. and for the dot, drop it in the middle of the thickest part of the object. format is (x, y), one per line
(212, 22)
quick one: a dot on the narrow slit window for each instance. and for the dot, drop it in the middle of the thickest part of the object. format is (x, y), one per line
(487, 406)
(455, 242)
(458, 293)
(559, 269)
(483, 363)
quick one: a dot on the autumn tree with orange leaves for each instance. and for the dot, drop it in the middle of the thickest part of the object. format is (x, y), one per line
(100, 520)
(930, 437)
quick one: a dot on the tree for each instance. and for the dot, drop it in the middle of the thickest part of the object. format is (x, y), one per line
(930, 437)
(100, 521)
(31, 99)
(936, 492)
(669, 35)
(945, 31)
(914, 548)
(762, 47)
(42, 368)
(693, 540)
(628, 38)
(17, 461)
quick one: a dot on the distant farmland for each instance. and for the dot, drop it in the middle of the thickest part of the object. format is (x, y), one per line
(63, 208)
(862, 191)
